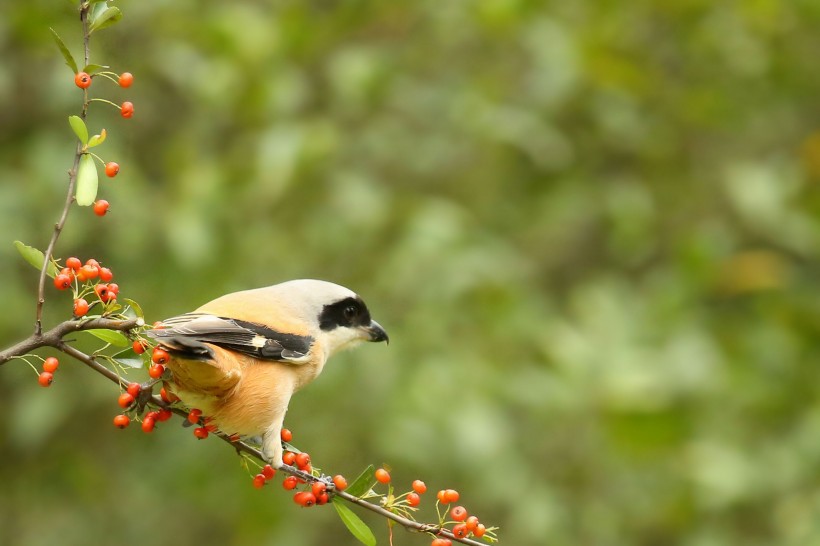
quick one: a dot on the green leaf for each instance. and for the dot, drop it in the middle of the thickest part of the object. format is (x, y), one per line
(363, 483)
(96, 9)
(96, 140)
(86, 181)
(110, 336)
(354, 523)
(69, 60)
(35, 257)
(91, 68)
(135, 306)
(78, 125)
(105, 19)
(128, 358)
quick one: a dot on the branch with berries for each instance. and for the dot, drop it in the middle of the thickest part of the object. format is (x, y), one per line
(118, 323)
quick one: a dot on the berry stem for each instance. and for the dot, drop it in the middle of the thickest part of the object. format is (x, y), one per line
(115, 105)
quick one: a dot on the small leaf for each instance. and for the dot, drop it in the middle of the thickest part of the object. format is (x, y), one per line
(110, 336)
(86, 181)
(96, 9)
(354, 523)
(363, 483)
(69, 60)
(91, 68)
(96, 140)
(35, 257)
(105, 19)
(135, 306)
(78, 125)
(128, 358)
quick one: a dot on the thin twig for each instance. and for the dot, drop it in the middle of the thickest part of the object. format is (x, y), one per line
(72, 182)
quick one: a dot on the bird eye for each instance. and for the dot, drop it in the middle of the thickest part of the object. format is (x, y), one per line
(350, 312)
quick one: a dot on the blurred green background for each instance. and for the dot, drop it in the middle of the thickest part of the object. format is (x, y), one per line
(591, 229)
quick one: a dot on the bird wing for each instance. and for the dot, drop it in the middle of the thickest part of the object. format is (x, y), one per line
(186, 333)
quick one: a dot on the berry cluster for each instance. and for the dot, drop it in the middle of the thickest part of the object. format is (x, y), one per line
(83, 81)
(50, 366)
(88, 281)
(128, 401)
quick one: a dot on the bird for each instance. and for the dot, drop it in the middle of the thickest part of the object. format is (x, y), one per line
(240, 358)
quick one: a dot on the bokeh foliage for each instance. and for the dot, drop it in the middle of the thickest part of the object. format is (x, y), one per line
(591, 229)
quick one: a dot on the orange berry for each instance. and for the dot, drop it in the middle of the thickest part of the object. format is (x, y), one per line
(450, 495)
(88, 272)
(268, 471)
(155, 371)
(460, 531)
(289, 457)
(201, 432)
(419, 487)
(317, 488)
(148, 424)
(286, 435)
(322, 499)
(259, 481)
(340, 482)
(101, 207)
(51, 364)
(125, 400)
(302, 460)
(458, 513)
(479, 530)
(305, 499)
(290, 482)
(471, 523)
(382, 475)
(106, 275)
(82, 80)
(413, 499)
(73, 263)
(121, 421)
(127, 109)
(164, 414)
(441, 542)
(440, 495)
(193, 416)
(126, 79)
(111, 169)
(160, 356)
(80, 307)
(134, 389)
(138, 347)
(45, 379)
(62, 281)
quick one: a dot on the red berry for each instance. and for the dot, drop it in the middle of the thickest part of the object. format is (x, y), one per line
(305, 499)
(290, 482)
(194, 415)
(80, 307)
(51, 364)
(471, 523)
(441, 542)
(62, 281)
(82, 80)
(104, 293)
(413, 499)
(450, 495)
(286, 435)
(317, 488)
(101, 207)
(164, 414)
(126, 79)
(45, 379)
(302, 460)
(121, 421)
(479, 530)
(382, 475)
(73, 263)
(155, 371)
(127, 109)
(340, 482)
(125, 400)
(148, 424)
(87, 272)
(268, 471)
(201, 432)
(111, 169)
(167, 397)
(289, 457)
(106, 275)
(138, 347)
(134, 389)
(460, 531)
(458, 513)
(322, 499)
(114, 287)
(259, 481)
(419, 487)
(160, 356)
(93, 263)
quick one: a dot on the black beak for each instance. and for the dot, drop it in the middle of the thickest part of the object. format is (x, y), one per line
(376, 332)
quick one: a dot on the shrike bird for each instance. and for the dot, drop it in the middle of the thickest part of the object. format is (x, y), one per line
(240, 357)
